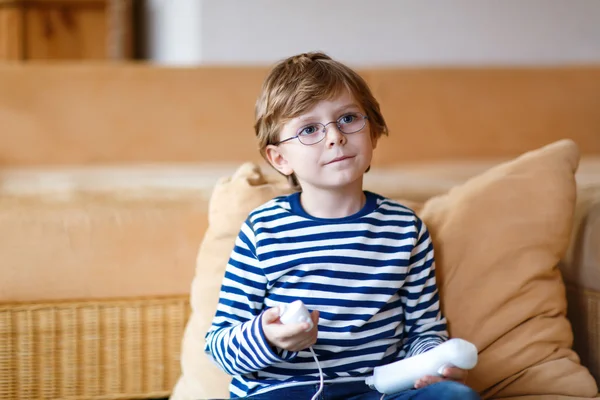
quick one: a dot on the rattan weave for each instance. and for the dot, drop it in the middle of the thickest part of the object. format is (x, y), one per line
(584, 314)
(113, 349)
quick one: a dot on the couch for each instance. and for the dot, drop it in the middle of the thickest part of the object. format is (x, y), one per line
(114, 329)
(103, 215)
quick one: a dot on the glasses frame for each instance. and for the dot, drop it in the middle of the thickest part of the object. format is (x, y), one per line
(336, 122)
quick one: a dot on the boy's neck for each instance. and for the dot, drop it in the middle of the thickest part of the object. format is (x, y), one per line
(333, 203)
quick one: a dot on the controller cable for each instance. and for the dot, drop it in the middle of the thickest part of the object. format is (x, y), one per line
(320, 374)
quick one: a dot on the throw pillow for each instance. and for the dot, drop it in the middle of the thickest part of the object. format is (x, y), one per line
(231, 202)
(498, 239)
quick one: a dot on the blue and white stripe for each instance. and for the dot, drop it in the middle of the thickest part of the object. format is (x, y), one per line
(370, 275)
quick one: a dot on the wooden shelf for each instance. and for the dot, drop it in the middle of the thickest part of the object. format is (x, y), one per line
(65, 30)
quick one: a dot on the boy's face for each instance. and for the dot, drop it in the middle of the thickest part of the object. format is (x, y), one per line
(338, 161)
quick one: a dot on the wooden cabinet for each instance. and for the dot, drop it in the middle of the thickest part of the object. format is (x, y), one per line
(11, 26)
(65, 29)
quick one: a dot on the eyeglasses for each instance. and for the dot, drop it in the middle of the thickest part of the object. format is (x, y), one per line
(314, 133)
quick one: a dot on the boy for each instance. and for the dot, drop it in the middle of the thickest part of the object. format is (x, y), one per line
(363, 263)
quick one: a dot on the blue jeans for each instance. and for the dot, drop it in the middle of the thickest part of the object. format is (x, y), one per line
(446, 390)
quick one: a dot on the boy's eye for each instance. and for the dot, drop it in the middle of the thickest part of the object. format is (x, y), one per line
(348, 118)
(308, 130)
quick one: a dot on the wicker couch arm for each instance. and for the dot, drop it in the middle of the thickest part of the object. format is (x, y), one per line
(581, 272)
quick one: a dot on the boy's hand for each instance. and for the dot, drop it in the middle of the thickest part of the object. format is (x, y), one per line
(291, 337)
(450, 374)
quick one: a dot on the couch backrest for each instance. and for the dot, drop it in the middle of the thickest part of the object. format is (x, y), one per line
(127, 113)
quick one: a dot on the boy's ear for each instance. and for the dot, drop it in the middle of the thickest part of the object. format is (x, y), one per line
(278, 160)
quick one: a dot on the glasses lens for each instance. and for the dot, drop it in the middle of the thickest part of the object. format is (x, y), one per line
(351, 123)
(311, 134)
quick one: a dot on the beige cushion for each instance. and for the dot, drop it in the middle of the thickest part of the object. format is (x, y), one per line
(230, 204)
(498, 238)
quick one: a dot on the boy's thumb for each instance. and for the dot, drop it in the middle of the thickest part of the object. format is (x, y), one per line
(271, 315)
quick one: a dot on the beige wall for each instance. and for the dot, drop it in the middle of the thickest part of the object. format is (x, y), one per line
(376, 33)
(97, 114)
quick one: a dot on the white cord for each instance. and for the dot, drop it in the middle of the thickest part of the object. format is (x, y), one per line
(320, 375)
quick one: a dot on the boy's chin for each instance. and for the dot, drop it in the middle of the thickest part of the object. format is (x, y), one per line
(342, 183)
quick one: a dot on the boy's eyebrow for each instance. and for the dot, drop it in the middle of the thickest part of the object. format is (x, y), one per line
(338, 110)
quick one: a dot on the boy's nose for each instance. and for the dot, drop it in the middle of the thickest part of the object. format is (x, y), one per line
(334, 136)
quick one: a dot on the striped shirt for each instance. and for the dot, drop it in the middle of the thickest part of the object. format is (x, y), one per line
(371, 275)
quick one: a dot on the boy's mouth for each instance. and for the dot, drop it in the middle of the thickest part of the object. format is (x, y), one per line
(338, 159)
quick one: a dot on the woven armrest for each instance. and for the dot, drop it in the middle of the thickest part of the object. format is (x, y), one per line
(91, 350)
(584, 314)
(581, 272)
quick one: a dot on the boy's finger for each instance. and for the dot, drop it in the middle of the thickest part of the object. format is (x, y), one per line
(291, 330)
(427, 380)
(454, 373)
(315, 317)
(271, 315)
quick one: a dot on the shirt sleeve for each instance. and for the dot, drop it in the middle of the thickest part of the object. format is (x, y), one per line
(235, 340)
(425, 327)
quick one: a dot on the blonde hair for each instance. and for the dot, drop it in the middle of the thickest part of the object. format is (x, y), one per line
(297, 84)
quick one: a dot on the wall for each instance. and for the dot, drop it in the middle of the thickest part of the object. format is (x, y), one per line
(386, 32)
(173, 31)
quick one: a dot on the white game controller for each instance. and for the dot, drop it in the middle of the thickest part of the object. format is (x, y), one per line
(402, 375)
(295, 313)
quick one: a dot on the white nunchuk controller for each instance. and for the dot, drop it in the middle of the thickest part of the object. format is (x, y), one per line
(402, 375)
(295, 313)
